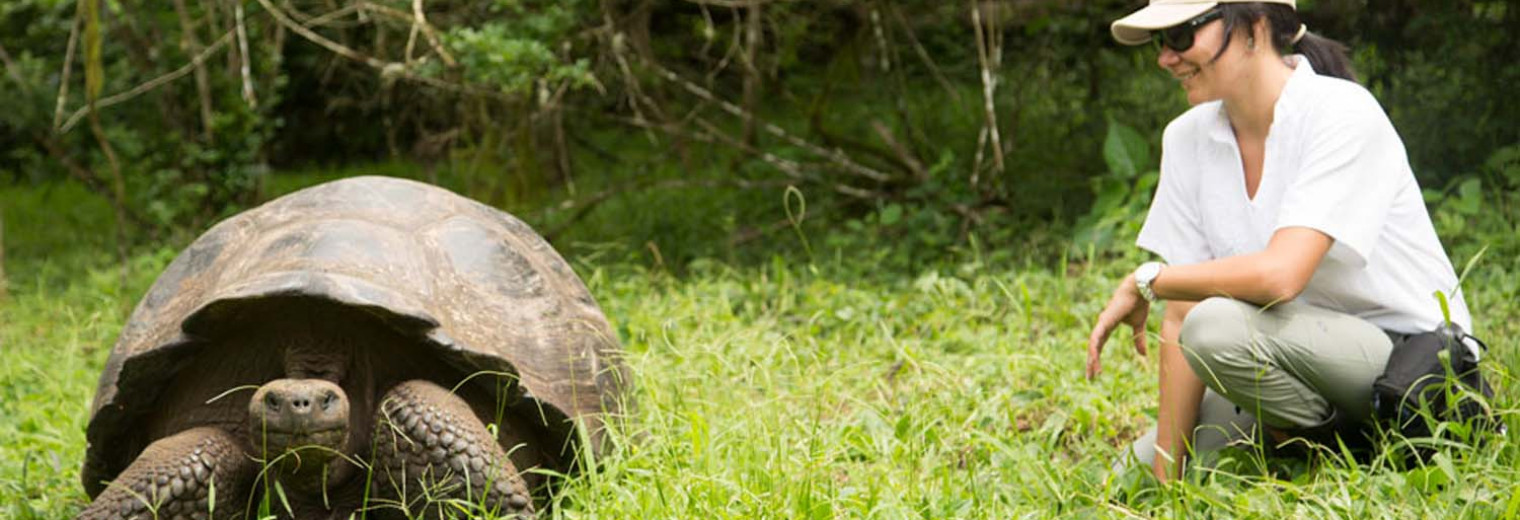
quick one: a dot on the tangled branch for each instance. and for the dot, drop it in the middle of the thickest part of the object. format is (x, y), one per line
(837, 157)
(147, 85)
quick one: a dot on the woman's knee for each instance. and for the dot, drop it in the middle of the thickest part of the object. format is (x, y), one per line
(1217, 331)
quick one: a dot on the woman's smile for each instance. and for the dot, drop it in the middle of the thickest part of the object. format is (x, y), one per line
(1188, 65)
(1184, 76)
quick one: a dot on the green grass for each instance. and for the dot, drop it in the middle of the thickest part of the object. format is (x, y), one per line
(789, 388)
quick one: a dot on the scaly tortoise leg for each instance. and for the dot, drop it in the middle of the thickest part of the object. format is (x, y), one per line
(172, 480)
(431, 448)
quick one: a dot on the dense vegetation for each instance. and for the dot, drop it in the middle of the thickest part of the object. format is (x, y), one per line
(818, 386)
(852, 246)
(985, 114)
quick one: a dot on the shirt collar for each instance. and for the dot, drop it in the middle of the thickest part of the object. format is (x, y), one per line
(1221, 130)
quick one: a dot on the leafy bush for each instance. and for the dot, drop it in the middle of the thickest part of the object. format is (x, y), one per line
(513, 47)
(1480, 211)
(1120, 198)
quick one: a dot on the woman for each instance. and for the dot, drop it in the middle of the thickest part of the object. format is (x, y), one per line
(1295, 239)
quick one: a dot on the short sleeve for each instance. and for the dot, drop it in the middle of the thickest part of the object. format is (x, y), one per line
(1352, 169)
(1172, 227)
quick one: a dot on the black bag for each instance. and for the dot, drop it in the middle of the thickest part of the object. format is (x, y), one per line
(1418, 380)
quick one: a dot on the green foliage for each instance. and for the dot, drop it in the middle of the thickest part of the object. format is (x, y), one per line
(177, 165)
(1122, 196)
(830, 73)
(1481, 209)
(493, 54)
(545, 19)
(1446, 95)
(36, 251)
(835, 387)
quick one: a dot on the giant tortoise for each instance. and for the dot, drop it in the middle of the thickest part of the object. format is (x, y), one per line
(371, 344)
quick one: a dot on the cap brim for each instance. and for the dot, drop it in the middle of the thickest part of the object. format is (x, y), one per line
(1136, 28)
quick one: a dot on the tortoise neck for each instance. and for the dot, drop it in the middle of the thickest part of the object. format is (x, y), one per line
(315, 359)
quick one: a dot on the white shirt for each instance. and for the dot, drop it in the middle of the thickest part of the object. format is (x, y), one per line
(1332, 162)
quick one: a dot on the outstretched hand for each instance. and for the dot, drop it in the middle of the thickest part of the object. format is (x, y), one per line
(1127, 307)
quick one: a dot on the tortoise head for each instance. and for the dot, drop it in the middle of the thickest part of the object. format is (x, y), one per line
(302, 425)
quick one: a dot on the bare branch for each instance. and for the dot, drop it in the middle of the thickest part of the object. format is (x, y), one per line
(878, 30)
(336, 48)
(976, 164)
(327, 17)
(791, 168)
(68, 66)
(418, 19)
(752, 79)
(192, 46)
(903, 154)
(432, 36)
(923, 55)
(387, 69)
(836, 156)
(709, 32)
(244, 57)
(728, 54)
(411, 35)
(989, 55)
(147, 86)
(636, 93)
(15, 72)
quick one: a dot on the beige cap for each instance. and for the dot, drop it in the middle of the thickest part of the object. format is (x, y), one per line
(1136, 28)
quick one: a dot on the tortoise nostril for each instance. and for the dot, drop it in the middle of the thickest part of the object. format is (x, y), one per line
(300, 403)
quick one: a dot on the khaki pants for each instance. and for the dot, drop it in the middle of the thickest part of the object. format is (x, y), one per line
(1288, 366)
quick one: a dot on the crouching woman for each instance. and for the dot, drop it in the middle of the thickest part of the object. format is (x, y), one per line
(1295, 239)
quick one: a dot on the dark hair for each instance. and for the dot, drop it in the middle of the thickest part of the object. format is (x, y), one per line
(1327, 56)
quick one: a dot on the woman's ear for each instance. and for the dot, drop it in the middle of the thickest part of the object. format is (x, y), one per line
(1261, 31)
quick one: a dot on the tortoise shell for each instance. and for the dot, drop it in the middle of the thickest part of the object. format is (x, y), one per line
(471, 282)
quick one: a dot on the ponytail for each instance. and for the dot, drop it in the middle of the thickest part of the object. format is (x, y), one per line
(1327, 56)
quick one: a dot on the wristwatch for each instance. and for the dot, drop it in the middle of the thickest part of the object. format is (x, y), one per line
(1144, 276)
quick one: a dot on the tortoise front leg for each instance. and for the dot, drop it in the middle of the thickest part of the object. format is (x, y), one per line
(173, 477)
(434, 456)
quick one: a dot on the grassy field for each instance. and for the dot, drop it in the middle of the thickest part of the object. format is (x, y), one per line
(807, 386)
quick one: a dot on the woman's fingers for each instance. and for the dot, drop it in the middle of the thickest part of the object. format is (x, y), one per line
(1139, 336)
(1101, 330)
(1123, 307)
(1138, 312)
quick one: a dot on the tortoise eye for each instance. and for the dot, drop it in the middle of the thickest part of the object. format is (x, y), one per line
(329, 400)
(271, 401)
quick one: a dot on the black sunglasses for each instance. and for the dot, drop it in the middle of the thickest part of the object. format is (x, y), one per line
(1179, 37)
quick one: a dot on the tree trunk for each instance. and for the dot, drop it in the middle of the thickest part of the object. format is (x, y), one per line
(192, 46)
(752, 71)
(562, 149)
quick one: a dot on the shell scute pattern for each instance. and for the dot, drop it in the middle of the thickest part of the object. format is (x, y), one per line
(405, 205)
(485, 258)
(195, 260)
(472, 280)
(287, 244)
(357, 248)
